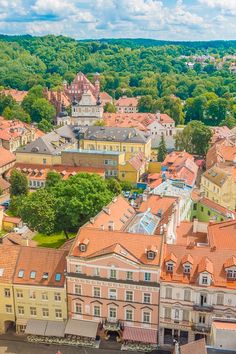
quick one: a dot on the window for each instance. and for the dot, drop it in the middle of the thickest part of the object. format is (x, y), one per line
(21, 273)
(44, 161)
(45, 275)
(32, 294)
(150, 255)
(129, 275)
(21, 310)
(231, 274)
(58, 277)
(78, 268)
(19, 293)
(168, 293)
(146, 317)
(187, 295)
(7, 293)
(58, 313)
(8, 308)
(169, 267)
(185, 315)
(129, 296)
(202, 209)
(78, 308)
(82, 247)
(187, 269)
(203, 299)
(57, 296)
(194, 206)
(220, 299)
(78, 289)
(96, 272)
(96, 292)
(44, 296)
(33, 311)
(113, 273)
(112, 294)
(96, 311)
(167, 312)
(45, 312)
(147, 276)
(112, 313)
(129, 315)
(209, 213)
(176, 314)
(204, 279)
(146, 298)
(202, 319)
(32, 275)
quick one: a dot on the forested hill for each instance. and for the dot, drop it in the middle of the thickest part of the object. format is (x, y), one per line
(156, 70)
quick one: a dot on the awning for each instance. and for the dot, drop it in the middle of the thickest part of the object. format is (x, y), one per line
(36, 327)
(142, 335)
(82, 328)
(55, 329)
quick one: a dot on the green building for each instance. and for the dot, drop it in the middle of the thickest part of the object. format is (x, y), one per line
(205, 210)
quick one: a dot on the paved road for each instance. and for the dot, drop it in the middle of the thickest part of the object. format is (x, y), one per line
(18, 347)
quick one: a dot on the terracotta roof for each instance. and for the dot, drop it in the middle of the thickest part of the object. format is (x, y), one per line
(187, 259)
(196, 347)
(157, 203)
(225, 228)
(8, 259)
(4, 185)
(134, 245)
(205, 265)
(13, 129)
(230, 262)
(17, 95)
(212, 205)
(119, 212)
(17, 239)
(165, 118)
(171, 257)
(6, 157)
(138, 161)
(186, 235)
(45, 262)
(11, 219)
(104, 96)
(127, 101)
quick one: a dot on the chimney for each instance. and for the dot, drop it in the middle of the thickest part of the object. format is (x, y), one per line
(111, 225)
(158, 115)
(195, 225)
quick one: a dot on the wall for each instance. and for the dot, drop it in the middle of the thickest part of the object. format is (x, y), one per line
(40, 159)
(5, 316)
(223, 339)
(205, 214)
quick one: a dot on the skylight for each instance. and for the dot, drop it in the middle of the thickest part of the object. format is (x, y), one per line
(21, 273)
(1, 272)
(45, 275)
(32, 275)
(58, 276)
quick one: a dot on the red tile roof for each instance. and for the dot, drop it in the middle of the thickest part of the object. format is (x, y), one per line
(127, 101)
(138, 161)
(17, 95)
(8, 260)
(6, 157)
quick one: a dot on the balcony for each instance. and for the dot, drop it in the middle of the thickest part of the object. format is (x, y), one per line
(202, 328)
(203, 308)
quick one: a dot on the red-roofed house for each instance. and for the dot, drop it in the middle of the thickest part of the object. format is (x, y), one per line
(127, 104)
(7, 160)
(133, 169)
(198, 282)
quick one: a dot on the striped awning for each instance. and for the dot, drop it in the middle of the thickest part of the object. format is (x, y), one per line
(141, 335)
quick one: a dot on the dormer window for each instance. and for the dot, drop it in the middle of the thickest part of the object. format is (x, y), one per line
(150, 255)
(187, 269)
(45, 275)
(231, 274)
(169, 267)
(82, 247)
(205, 279)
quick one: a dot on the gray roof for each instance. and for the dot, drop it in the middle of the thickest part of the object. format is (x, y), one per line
(52, 143)
(116, 134)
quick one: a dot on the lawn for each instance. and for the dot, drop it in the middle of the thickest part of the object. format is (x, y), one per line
(2, 233)
(53, 241)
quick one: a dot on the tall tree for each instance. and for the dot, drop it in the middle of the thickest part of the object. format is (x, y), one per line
(162, 150)
(52, 179)
(19, 183)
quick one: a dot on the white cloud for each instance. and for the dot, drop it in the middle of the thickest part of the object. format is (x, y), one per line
(225, 5)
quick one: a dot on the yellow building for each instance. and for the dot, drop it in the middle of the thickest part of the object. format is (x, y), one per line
(8, 259)
(220, 187)
(133, 169)
(39, 286)
(128, 140)
(47, 149)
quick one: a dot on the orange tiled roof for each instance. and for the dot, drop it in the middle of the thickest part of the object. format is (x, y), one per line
(171, 257)
(17, 95)
(127, 101)
(41, 260)
(118, 211)
(187, 259)
(135, 245)
(11, 219)
(6, 157)
(205, 265)
(231, 326)
(196, 347)
(4, 185)
(165, 118)
(8, 259)
(230, 262)
(138, 161)
(157, 203)
(12, 129)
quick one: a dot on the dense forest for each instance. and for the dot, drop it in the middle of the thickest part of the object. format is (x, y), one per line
(156, 70)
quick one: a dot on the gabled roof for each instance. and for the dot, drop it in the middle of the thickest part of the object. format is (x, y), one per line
(8, 260)
(6, 157)
(138, 161)
(205, 265)
(187, 259)
(171, 257)
(231, 262)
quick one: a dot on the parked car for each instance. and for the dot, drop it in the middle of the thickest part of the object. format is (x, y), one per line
(126, 194)
(6, 204)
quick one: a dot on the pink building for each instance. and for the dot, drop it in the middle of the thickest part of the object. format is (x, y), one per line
(113, 279)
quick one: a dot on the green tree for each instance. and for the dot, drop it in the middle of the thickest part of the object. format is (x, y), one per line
(52, 179)
(194, 138)
(15, 205)
(110, 108)
(114, 186)
(6, 101)
(145, 104)
(162, 150)
(42, 109)
(19, 183)
(126, 186)
(16, 112)
(38, 211)
(45, 126)
(229, 121)
(216, 111)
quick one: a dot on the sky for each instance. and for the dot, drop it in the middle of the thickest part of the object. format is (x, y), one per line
(91, 19)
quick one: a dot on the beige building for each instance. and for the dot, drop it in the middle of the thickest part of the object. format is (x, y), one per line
(47, 149)
(39, 286)
(219, 185)
(8, 259)
(7, 160)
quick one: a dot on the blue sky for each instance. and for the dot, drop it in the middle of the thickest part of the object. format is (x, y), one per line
(158, 19)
